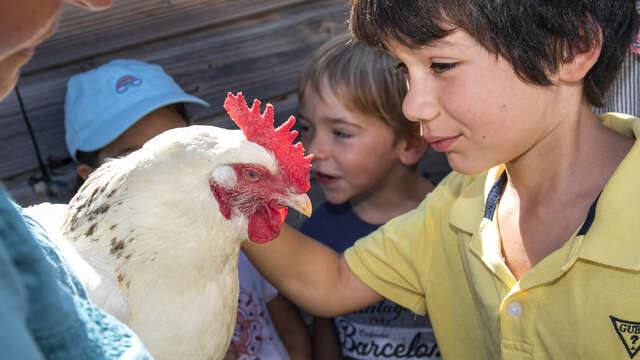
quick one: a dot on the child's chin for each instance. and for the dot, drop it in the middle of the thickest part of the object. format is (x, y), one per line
(336, 202)
(333, 198)
(467, 167)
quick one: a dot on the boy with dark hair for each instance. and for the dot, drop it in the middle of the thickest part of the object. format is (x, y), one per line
(528, 249)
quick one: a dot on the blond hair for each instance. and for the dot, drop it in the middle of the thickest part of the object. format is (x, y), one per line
(362, 78)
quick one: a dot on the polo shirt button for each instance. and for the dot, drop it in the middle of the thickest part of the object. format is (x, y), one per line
(514, 309)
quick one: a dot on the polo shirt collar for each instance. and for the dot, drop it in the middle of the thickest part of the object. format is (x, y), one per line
(465, 210)
(614, 236)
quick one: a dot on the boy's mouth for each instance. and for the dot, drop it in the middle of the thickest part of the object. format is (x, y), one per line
(325, 179)
(441, 143)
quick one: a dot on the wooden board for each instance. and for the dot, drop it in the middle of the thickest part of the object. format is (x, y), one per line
(128, 23)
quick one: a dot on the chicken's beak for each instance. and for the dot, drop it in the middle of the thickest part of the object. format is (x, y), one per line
(299, 202)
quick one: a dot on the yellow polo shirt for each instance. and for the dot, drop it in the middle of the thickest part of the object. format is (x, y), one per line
(580, 302)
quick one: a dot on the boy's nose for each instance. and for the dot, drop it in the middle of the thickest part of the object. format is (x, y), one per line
(318, 148)
(420, 104)
(92, 4)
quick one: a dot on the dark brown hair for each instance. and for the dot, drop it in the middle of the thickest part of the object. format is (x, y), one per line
(534, 36)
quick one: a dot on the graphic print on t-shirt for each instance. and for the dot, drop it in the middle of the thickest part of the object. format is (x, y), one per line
(249, 324)
(386, 330)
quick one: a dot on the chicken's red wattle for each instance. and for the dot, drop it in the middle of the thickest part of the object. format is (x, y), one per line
(265, 222)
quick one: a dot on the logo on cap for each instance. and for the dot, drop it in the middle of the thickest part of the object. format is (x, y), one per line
(125, 82)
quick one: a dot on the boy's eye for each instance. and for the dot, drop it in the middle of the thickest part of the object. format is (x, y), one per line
(303, 128)
(341, 134)
(303, 124)
(305, 131)
(440, 68)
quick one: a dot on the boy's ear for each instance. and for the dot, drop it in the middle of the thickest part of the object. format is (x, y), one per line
(576, 67)
(411, 149)
(84, 170)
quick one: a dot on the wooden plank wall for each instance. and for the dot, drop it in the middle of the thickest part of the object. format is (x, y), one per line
(210, 47)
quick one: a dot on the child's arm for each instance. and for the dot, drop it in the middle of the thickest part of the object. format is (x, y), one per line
(325, 340)
(290, 328)
(311, 274)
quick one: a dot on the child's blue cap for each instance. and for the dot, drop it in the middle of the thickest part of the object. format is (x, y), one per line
(103, 103)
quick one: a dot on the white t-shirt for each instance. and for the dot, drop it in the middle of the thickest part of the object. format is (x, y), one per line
(255, 337)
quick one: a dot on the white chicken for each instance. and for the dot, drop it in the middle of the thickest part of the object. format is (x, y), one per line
(160, 229)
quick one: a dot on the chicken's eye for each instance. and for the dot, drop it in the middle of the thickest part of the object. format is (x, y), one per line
(251, 174)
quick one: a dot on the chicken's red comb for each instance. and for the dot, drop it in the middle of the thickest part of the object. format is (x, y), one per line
(258, 128)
